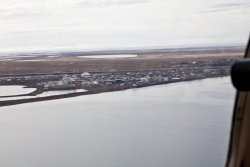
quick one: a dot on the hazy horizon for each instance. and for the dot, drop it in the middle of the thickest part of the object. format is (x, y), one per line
(125, 50)
(83, 25)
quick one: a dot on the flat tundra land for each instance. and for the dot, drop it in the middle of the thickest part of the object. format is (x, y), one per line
(76, 64)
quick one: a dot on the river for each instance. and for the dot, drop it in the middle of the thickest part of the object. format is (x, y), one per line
(183, 124)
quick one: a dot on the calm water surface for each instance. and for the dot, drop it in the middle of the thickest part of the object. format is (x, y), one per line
(44, 94)
(177, 125)
(9, 90)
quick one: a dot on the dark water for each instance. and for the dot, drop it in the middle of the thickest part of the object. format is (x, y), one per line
(177, 125)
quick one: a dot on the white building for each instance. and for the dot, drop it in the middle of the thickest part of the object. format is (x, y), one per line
(85, 74)
(66, 80)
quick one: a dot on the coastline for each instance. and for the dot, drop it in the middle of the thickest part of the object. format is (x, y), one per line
(99, 75)
(91, 92)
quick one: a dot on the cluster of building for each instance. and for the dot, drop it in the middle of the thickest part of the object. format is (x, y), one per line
(189, 70)
(64, 83)
(129, 79)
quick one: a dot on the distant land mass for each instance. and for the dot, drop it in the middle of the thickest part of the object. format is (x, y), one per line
(179, 50)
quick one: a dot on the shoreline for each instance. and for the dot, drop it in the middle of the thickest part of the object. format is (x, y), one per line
(91, 92)
(100, 75)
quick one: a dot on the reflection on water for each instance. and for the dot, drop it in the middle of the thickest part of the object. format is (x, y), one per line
(44, 94)
(14, 90)
(181, 124)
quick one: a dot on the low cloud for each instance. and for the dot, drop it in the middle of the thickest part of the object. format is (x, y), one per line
(32, 9)
(10, 13)
(225, 7)
(98, 3)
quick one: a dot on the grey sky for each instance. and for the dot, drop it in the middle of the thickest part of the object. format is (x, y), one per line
(28, 25)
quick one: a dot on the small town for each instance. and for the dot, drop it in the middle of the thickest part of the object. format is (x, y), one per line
(97, 82)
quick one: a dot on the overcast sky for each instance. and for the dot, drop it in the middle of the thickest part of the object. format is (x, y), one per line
(59, 25)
